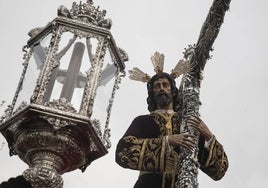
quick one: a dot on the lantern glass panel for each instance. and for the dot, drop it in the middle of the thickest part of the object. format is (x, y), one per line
(69, 79)
(104, 90)
(34, 66)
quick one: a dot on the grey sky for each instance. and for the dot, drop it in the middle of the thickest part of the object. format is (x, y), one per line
(234, 90)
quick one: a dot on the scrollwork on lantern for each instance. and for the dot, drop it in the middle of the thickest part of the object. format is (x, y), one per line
(61, 104)
(58, 122)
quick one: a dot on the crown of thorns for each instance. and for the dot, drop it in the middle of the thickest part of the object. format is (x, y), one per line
(182, 67)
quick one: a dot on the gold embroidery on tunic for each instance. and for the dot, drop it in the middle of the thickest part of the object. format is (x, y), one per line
(142, 153)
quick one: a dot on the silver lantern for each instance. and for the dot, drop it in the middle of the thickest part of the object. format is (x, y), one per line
(58, 119)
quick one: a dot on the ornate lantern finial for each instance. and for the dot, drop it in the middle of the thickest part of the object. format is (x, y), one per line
(86, 12)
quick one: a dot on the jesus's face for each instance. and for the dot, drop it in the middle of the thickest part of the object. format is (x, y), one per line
(162, 92)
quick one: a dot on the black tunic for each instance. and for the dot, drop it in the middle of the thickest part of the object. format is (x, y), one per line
(143, 147)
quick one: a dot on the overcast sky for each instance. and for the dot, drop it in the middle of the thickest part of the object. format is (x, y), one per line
(234, 90)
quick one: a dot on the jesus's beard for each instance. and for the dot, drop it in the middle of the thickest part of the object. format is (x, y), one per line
(163, 99)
